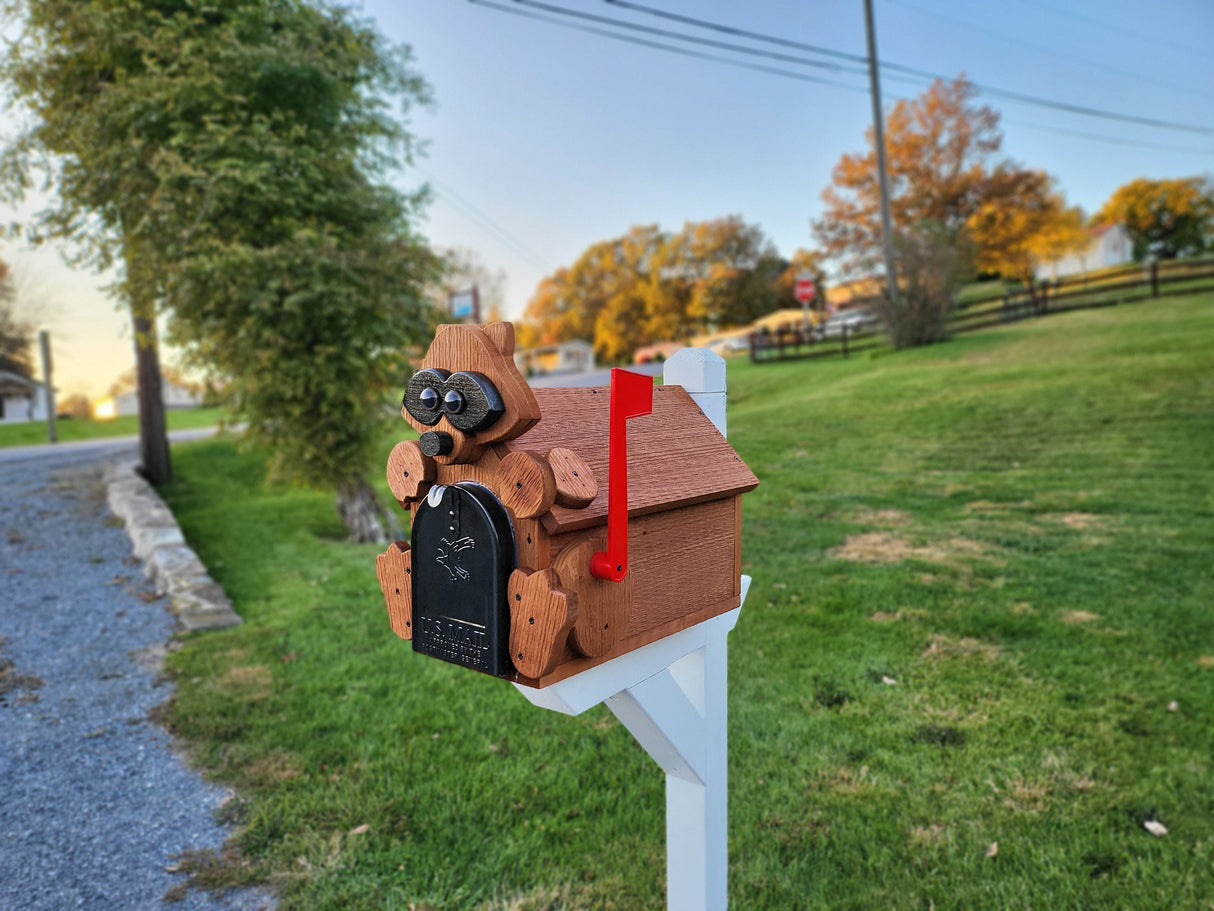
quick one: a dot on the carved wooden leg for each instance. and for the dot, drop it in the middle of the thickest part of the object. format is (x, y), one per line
(541, 615)
(410, 472)
(602, 606)
(394, 567)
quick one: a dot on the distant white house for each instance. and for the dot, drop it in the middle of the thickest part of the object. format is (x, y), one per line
(1108, 245)
(566, 357)
(21, 399)
(174, 397)
(127, 403)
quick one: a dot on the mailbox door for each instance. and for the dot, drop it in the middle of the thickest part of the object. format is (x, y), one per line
(463, 554)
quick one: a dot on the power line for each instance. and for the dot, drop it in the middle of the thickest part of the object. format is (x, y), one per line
(706, 42)
(1115, 140)
(1082, 110)
(1037, 48)
(484, 222)
(678, 36)
(788, 74)
(1121, 30)
(1010, 95)
(693, 39)
(685, 52)
(740, 33)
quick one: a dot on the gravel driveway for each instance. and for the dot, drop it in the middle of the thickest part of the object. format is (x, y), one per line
(94, 803)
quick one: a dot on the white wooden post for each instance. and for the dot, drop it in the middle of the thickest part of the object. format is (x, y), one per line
(702, 373)
(672, 695)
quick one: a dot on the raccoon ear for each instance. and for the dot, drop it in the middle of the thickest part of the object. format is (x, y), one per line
(502, 336)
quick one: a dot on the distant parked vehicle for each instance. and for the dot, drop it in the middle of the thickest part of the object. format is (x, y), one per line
(855, 320)
(731, 345)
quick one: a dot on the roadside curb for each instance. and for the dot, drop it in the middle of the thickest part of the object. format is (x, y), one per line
(175, 570)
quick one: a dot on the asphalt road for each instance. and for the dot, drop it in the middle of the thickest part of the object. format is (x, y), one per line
(95, 805)
(88, 451)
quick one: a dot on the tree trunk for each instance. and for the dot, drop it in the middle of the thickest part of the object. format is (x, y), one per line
(359, 510)
(153, 438)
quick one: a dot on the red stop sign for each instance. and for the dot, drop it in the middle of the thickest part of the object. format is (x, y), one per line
(805, 290)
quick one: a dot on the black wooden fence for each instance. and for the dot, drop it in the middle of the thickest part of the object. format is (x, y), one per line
(796, 340)
(1121, 285)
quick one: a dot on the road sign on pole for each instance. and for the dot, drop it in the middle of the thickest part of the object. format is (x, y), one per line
(805, 290)
(465, 306)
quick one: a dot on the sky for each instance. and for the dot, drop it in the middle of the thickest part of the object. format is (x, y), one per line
(544, 139)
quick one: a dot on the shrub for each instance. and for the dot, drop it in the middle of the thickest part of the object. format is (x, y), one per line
(932, 264)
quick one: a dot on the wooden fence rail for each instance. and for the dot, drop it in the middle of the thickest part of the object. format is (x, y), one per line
(798, 342)
(1109, 287)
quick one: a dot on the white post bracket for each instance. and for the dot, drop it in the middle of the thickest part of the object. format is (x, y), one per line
(672, 695)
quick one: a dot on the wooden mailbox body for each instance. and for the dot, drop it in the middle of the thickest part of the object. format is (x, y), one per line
(544, 458)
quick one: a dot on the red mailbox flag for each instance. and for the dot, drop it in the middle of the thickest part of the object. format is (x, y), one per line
(631, 396)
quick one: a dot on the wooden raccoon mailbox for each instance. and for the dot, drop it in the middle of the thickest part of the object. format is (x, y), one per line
(555, 529)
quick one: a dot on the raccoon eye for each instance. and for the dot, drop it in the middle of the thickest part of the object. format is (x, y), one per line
(472, 402)
(423, 398)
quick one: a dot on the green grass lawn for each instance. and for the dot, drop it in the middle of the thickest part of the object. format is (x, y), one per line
(33, 432)
(981, 615)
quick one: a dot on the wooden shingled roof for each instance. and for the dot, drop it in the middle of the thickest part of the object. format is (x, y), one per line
(676, 456)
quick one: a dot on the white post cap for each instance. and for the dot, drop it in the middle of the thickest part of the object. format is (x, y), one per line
(696, 370)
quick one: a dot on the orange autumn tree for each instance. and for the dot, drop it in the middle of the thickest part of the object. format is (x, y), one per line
(940, 151)
(944, 168)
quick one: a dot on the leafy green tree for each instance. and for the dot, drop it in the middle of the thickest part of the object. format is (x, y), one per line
(1165, 218)
(726, 270)
(16, 335)
(752, 292)
(233, 155)
(67, 68)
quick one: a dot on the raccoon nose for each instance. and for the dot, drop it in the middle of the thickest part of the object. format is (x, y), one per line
(436, 443)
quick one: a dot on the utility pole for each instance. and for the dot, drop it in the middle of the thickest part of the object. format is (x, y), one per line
(155, 463)
(887, 234)
(48, 399)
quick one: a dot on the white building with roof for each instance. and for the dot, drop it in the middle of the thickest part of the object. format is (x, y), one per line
(21, 399)
(1108, 245)
(574, 356)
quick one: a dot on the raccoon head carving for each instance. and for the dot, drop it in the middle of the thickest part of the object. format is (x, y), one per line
(469, 393)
